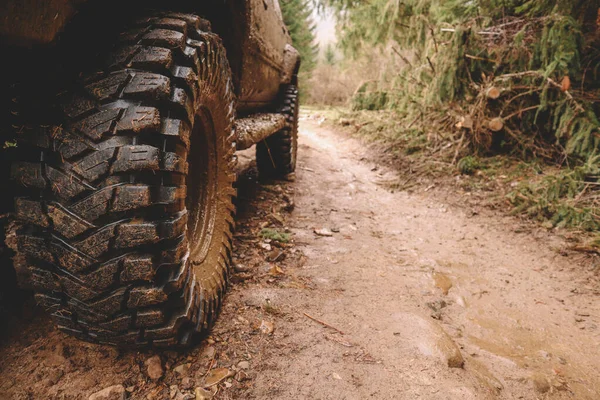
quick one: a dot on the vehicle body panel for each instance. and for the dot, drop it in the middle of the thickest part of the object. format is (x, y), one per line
(255, 37)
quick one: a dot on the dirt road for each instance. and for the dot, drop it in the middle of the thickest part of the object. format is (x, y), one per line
(381, 295)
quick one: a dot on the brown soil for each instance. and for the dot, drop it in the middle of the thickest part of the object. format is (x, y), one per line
(399, 296)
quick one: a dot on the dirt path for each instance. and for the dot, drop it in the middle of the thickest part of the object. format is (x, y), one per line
(414, 284)
(423, 300)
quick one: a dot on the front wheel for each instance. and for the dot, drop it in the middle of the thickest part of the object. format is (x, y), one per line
(126, 211)
(276, 155)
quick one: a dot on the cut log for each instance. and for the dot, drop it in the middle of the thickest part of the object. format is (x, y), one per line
(492, 93)
(496, 124)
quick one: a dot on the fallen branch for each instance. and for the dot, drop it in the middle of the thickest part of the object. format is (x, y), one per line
(323, 323)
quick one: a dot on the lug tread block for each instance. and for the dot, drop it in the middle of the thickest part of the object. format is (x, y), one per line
(175, 227)
(182, 100)
(156, 58)
(34, 246)
(175, 254)
(97, 125)
(97, 243)
(28, 174)
(148, 86)
(122, 56)
(174, 163)
(145, 296)
(138, 268)
(77, 290)
(118, 324)
(168, 38)
(74, 104)
(104, 276)
(108, 87)
(43, 280)
(68, 144)
(84, 312)
(136, 234)
(111, 303)
(65, 186)
(173, 24)
(70, 258)
(188, 77)
(177, 128)
(113, 143)
(192, 21)
(65, 222)
(130, 197)
(95, 165)
(170, 194)
(30, 211)
(149, 318)
(136, 158)
(95, 205)
(138, 119)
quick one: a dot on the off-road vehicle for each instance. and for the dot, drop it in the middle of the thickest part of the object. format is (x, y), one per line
(126, 117)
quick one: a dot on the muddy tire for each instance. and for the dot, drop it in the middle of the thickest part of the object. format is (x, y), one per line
(276, 155)
(126, 211)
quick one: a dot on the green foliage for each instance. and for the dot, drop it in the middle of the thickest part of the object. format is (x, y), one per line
(297, 17)
(541, 56)
(329, 55)
(468, 165)
(275, 235)
(566, 199)
(369, 98)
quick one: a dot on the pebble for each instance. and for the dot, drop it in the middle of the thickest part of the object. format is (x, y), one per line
(154, 368)
(182, 369)
(244, 364)
(540, 383)
(116, 392)
(209, 352)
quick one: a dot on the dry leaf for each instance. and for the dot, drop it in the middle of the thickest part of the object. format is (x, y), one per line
(216, 376)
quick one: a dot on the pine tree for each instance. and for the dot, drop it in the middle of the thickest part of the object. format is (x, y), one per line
(297, 17)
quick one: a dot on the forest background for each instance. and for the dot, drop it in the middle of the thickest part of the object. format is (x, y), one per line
(504, 91)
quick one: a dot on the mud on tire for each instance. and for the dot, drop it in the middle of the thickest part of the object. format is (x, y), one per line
(276, 155)
(126, 215)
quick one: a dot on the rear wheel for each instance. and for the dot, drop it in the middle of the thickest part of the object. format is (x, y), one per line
(126, 211)
(276, 155)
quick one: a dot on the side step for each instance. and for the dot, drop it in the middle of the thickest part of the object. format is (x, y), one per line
(257, 127)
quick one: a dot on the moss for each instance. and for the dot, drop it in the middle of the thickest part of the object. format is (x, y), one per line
(275, 235)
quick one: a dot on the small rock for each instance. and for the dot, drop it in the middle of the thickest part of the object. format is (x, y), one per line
(323, 232)
(187, 383)
(267, 327)
(242, 376)
(209, 352)
(182, 369)
(116, 392)
(202, 394)
(243, 365)
(337, 376)
(154, 368)
(240, 268)
(540, 383)
(266, 246)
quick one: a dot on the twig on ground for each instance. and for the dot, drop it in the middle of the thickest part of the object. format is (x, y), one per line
(323, 323)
